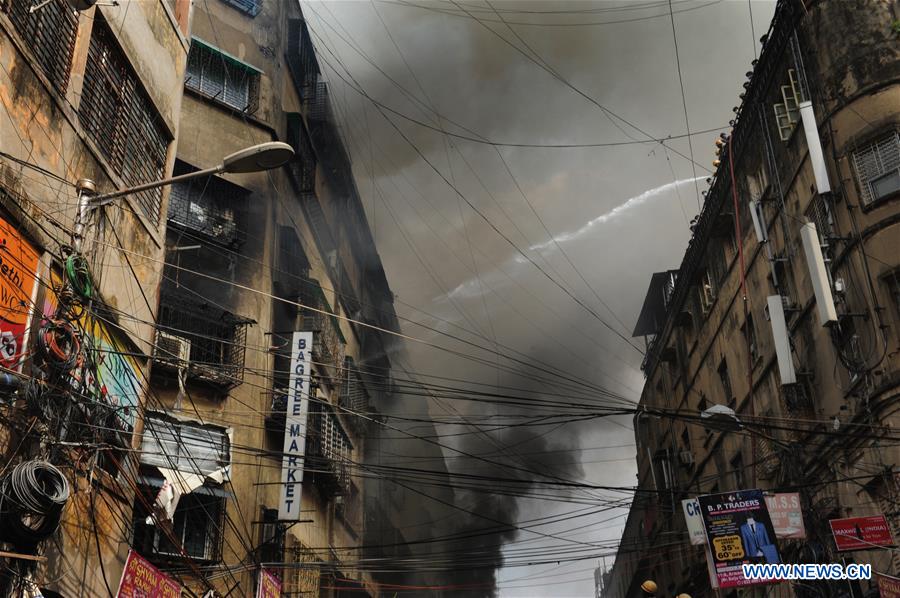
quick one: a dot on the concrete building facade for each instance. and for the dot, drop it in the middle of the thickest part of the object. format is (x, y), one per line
(146, 360)
(803, 349)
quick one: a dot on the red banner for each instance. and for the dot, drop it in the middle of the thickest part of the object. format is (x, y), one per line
(269, 585)
(140, 579)
(888, 587)
(861, 533)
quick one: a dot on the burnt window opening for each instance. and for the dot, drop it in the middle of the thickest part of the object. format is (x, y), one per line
(291, 265)
(301, 58)
(248, 7)
(272, 535)
(220, 77)
(892, 280)
(50, 34)
(196, 528)
(206, 342)
(210, 206)
(303, 166)
(119, 117)
(725, 379)
(877, 167)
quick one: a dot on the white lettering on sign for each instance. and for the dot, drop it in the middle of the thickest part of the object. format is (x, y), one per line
(295, 427)
(694, 521)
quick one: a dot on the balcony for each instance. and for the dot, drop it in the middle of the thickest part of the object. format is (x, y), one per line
(209, 207)
(205, 342)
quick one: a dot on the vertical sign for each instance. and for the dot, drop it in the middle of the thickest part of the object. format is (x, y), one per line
(295, 428)
(694, 521)
(739, 531)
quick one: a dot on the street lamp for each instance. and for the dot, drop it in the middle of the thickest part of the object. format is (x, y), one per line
(264, 156)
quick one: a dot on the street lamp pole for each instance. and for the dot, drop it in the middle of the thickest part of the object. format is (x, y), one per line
(264, 156)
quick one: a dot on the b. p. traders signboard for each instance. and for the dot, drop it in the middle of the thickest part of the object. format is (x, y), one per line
(295, 427)
(739, 531)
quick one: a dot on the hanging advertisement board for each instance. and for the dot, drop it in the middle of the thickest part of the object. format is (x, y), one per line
(295, 427)
(861, 533)
(268, 585)
(786, 515)
(141, 579)
(738, 530)
(18, 272)
(888, 587)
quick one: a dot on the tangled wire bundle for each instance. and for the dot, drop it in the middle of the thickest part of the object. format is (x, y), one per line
(32, 498)
(60, 343)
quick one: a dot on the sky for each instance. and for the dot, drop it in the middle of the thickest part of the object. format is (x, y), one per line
(546, 250)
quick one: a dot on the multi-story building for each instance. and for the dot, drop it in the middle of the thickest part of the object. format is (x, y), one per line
(146, 344)
(785, 307)
(82, 97)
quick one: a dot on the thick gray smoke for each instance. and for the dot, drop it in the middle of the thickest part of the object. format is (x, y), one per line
(443, 259)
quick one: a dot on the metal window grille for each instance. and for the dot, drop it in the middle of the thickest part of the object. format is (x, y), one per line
(878, 168)
(197, 526)
(217, 338)
(272, 535)
(50, 34)
(301, 57)
(120, 118)
(354, 395)
(249, 7)
(222, 78)
(330, 450)
(210, 206)
(328, 340)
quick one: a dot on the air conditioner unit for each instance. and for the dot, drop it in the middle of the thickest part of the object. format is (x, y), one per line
(172, 350)
(706, 297)
(686, 458)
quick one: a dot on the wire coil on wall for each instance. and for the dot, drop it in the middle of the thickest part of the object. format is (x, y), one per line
(32, 498)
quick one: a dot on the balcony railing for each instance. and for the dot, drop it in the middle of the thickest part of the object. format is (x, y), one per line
(206, 342)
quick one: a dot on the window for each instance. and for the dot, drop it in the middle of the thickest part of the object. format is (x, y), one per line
(189, 448)
(248, 7)
(893, 283)
(271, 540)
(120, 118)
(222, 77)
(878, 168)
(206, 341)
(706, 293)
(354, 395)
(210, 206)
(329, 450)
(737, 470)
(50, 33)
(303, 166)
(749, 330)
(725, 379)
(787, 112)
(196, 527)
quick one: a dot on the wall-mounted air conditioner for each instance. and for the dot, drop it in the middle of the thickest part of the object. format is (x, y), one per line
(686, 458)
(172, 350)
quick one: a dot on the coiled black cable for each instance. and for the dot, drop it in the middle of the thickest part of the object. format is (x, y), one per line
(32, 498)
